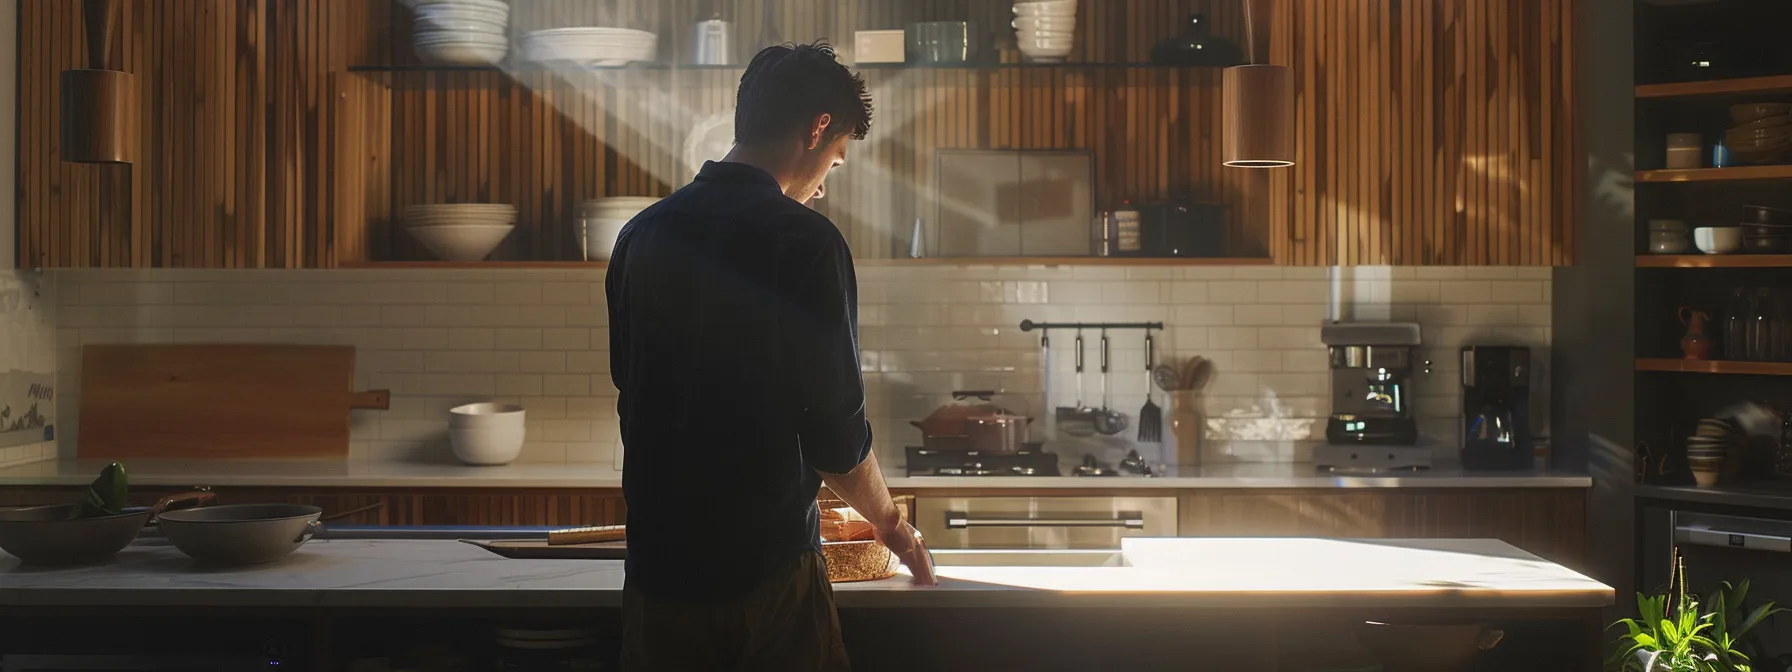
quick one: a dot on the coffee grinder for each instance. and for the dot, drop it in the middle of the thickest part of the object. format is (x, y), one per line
(1371, 427)
(1496, 402)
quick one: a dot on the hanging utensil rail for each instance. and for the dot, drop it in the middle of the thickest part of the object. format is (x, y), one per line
(1029, 325)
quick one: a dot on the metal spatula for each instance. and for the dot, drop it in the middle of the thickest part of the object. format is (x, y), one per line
(1151, 418)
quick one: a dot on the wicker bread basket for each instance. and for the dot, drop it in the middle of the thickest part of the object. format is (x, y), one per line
(860, 560)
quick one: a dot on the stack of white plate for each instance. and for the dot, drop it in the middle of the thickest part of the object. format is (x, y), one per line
(590, 47)
(602, 219)
(1045, 29)
(461, 32)
(460, 231)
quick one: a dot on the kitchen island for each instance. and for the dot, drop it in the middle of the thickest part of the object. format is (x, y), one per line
(1206, 592)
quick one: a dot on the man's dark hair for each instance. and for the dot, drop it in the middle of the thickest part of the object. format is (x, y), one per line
(787, 86)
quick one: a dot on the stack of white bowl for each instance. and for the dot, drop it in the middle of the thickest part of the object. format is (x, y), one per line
(486, 434)
(601, 219)
(590, 47)
(460, 231)
(1045, 30)
(461, 32)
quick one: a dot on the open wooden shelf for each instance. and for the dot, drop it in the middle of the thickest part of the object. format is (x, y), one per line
(1717, 87)
(1737, 174)
(1069, 261)
(928, 261)
(1713, 366)
(490, 265)
(1714, 261)
(537, 67)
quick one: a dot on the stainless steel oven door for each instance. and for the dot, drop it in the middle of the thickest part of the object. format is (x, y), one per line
(1042, 522)
(1717, 547)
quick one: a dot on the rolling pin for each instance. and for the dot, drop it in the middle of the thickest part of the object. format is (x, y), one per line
(587, 535)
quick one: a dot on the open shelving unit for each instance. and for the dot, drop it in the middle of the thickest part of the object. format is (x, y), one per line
(546, 137)
(1673, 393)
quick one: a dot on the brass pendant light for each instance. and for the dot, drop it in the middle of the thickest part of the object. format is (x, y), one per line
(99, 106)
(1257, 103)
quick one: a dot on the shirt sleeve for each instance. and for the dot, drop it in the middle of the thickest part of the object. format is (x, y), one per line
(824, 342)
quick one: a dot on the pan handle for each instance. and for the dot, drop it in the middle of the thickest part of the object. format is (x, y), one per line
(377, 400)
(310, 531)
(192, 498)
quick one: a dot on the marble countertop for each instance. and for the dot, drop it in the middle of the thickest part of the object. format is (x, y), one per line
(1188, 573)
(339, 473)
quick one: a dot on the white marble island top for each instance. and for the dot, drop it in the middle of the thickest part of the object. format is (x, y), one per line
(1289, 573)
(342, 473)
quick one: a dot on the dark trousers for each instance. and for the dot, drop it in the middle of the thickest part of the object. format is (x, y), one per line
(786, 624)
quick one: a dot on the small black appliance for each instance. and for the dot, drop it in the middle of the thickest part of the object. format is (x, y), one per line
(1496, 402)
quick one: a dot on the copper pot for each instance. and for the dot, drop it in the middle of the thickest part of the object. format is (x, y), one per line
(948, 427)
(997, 433)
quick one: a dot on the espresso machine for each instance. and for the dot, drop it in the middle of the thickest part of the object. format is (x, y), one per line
(1496, 402)
(1371, 428)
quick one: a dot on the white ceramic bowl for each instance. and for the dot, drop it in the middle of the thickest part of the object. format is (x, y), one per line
(600, 237)
(474, 26)
(486, 434)
(1046, 8)
(461, 54)
(426, 5)
(1045, 45)
(459, 37)
(461, 242)
(1061, 23)
(1031, 35)
(444, 11)
(1717, 239)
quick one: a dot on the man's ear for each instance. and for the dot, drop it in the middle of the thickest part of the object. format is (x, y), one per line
(818, 129)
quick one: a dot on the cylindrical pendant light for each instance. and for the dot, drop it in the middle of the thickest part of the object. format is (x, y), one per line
(99, 106)
(1257, 103)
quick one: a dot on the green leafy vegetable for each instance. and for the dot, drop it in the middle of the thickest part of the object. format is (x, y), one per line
(105, 496)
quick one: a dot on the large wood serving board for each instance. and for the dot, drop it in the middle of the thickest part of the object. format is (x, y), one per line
(538, 549)
(218, 401)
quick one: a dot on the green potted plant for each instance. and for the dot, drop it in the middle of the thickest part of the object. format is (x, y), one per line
(1672, 633)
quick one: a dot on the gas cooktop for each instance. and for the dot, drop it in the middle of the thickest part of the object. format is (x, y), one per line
(930, 462)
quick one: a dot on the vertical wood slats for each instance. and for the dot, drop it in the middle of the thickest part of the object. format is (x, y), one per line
(1429, 132)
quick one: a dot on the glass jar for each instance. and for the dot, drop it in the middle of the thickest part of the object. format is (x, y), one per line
(1668, 236)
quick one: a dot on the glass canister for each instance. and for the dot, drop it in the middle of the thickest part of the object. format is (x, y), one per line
(1668, 236)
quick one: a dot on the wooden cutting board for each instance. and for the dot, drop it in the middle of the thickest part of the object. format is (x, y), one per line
(538, 549)
(218, 401)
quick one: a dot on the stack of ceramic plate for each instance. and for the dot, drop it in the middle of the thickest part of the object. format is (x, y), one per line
(461, 32)
(460, 231)
(590, 47)
(1045, 30)
(1710, 449)
(601, 220)
(1760, 132)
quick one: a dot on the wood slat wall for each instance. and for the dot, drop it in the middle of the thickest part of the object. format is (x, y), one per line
(239, 129)
(1430, 132)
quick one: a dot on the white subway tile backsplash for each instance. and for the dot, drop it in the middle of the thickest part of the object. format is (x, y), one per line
(540, 339)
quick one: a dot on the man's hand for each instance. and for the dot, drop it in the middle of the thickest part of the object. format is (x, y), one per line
(905, 541)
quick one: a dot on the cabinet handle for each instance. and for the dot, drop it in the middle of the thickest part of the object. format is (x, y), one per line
(1742, 533)
(958, 520)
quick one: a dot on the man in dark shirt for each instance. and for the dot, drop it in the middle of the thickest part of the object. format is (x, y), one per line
(734, 343)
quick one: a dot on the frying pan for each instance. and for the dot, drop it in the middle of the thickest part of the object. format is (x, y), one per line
(244, 534)
(44, 535)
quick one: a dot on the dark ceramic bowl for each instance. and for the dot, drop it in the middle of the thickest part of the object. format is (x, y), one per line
(1769, 216)
(1766, 244)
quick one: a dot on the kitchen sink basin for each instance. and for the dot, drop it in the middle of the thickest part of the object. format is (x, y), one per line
(1029, 558)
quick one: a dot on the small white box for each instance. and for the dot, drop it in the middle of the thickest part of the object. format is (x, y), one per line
(879, 46)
